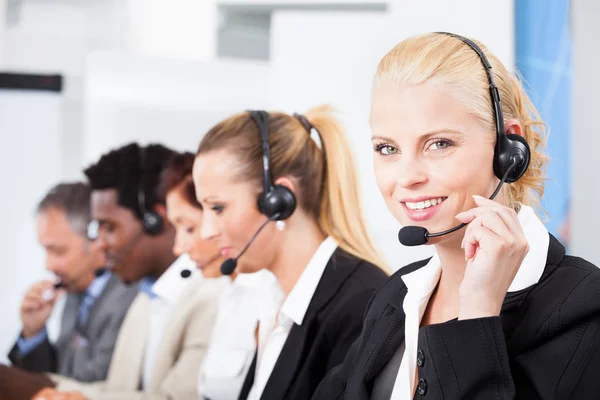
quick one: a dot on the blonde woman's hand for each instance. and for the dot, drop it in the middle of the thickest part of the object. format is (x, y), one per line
(495, 246)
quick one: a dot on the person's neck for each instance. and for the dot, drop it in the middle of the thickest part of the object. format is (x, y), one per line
(163, 258)
(87, 282)
(452, 260)
(293, 260)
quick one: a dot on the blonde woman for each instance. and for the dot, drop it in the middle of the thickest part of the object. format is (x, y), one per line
(499, 312)
(296, 172)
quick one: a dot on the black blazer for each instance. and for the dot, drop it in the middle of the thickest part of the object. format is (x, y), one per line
(544, 345)
(333, 321)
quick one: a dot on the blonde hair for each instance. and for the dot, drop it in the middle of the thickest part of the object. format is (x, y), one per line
(326, 178)
(452, 65)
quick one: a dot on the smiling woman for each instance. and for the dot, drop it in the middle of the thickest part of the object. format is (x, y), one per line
(499, 311)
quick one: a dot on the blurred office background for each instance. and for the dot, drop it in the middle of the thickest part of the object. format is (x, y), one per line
(158, 70)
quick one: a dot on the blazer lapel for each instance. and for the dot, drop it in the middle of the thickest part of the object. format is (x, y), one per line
(104, 296)
(171, 341)
(69, 318)
(68, 331)
(390, 327)
(339, 267)
(381, 339)
(126, 365)
(289, 360)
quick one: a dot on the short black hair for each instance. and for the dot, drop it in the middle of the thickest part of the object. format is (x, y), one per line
(72, 198)
(131, 168)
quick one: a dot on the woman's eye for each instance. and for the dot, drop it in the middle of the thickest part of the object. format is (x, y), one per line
(386, 149)
(189, 229)
(440, 145)
(217, 209)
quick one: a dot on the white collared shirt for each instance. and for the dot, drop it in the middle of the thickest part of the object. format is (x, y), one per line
(165, 293)
(422, 282)
(232, 345)
(273, 330)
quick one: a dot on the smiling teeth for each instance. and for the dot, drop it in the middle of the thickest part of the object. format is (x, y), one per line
(421, 205)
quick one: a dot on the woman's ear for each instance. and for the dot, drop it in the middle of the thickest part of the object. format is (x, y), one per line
(287, 182)
(160, 210)
(513, 126)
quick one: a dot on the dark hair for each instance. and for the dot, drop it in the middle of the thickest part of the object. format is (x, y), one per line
(74, 200)
(178, 175)
(123, 170)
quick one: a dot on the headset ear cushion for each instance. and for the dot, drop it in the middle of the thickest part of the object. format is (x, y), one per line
(280, 201)
(514, 145)
(153, 223)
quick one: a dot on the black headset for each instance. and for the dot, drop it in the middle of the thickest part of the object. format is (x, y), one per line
(276, 202)
(152, 222)
(510, 148)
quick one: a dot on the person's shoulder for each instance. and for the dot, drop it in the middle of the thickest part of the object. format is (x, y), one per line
(204, 289)
(568, 288)
(361, 271)
(394, 284)
(120, 292)
(579, 266)
(578, 278)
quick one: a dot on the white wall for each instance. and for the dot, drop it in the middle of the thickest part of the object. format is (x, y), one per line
(30, 125)
(585, 174)
(130, 98)
(174, 29)
(334, 60)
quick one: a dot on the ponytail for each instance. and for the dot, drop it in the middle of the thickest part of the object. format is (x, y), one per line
(325, 173)
(341, 214)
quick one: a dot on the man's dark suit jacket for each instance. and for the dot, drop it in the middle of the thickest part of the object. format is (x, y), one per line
(544, 345)
(332, 323)
(89, 362)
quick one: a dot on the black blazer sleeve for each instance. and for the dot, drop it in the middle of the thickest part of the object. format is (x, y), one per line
(40, 359)
(560, 359)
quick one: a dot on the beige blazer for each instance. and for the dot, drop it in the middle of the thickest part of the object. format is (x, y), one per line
(179, 355)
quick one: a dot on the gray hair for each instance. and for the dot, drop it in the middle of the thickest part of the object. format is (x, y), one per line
(74, 200)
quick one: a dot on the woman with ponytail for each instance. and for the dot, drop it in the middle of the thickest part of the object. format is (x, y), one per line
(500, 311)
(317, 245)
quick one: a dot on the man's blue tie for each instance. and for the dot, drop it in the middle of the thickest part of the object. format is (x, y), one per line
(84, 309)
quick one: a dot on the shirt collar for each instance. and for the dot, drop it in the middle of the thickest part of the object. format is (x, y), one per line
(97, 286)
(170, 284)
(297, 302)
(422, 282)
(254, 280)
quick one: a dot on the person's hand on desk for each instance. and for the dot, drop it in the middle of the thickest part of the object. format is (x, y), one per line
(495, 247)
(53, 394)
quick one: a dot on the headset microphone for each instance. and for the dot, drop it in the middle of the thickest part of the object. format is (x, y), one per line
(48, 294)
(511, 153)
(186, 272)
(230, 264)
